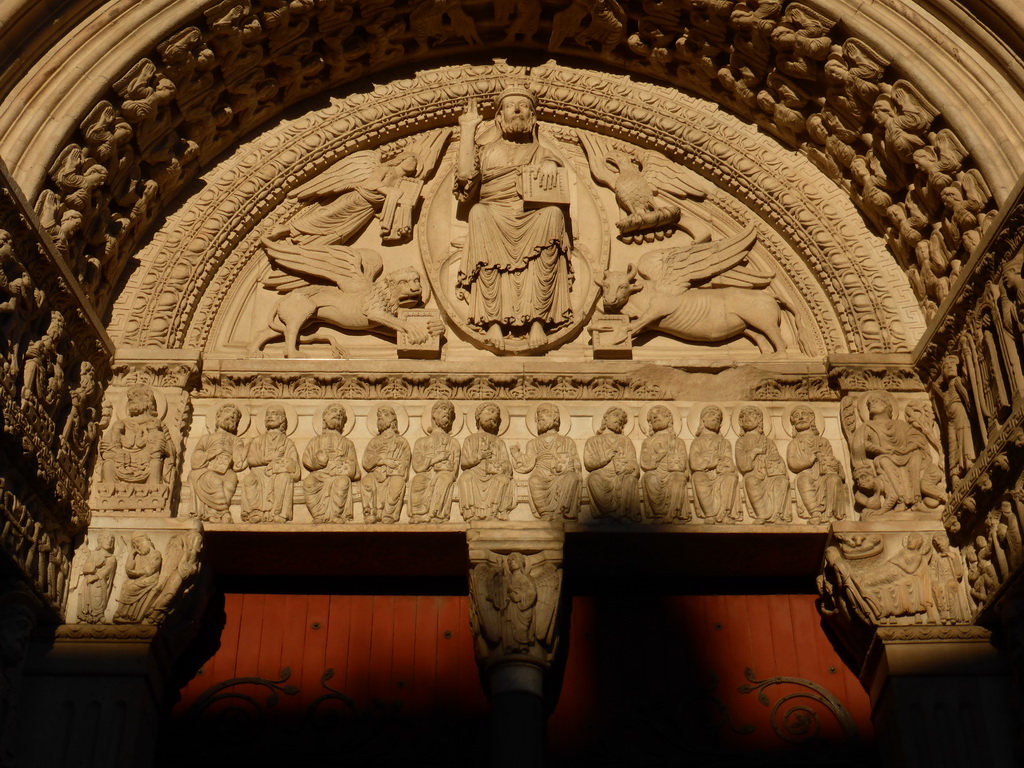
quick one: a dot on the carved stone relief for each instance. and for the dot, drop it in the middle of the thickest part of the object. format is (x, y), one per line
(791, 71)
(443, 241)
(135, 576)
(498, 460)
(436, 459)
(895, 469)
(877, 575)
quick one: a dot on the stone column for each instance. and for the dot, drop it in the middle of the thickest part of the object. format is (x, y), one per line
(895, 595)
(515, 585)
(93, 692)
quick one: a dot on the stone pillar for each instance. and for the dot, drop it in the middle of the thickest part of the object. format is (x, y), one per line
(94, 687)
(895, 595)
(515, 586)
(940, 698)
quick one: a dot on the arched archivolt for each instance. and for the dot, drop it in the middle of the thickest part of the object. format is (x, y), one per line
(110, 126)
(851, 293)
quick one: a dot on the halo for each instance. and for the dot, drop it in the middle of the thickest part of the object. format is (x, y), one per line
(502, 428)
(693, 418)
(645, 409)
(318, 419)
(400, 413)
(289, 412)
(787, 426)
(244, 422)
(598, 418)
(428, 425)
(862, 404)
(766, 419)
(121, 409)
(564, 421)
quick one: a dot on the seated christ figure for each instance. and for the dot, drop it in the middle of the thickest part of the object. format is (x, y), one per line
(515, 270)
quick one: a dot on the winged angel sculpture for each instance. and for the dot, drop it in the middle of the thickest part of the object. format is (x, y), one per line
(323, 279)
(515, 604)
(705, 292)
(647, 186)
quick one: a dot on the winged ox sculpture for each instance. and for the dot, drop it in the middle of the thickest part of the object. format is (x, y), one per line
(705, 292)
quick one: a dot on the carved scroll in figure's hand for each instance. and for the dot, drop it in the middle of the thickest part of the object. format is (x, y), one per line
(647, 187)
(361, 299)
(347, 196)
(665, 292)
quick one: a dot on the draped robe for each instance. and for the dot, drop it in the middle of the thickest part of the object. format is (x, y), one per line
(515, 265)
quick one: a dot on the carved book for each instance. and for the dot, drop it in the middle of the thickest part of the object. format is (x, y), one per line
(535, 196)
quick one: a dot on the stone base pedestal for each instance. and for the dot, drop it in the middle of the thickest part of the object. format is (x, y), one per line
(91, 701)
(940, 698)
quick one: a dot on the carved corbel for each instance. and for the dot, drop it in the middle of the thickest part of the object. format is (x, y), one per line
(146, 575)
(884, 575)
(515, 588)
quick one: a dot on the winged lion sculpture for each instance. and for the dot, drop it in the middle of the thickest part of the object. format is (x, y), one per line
(351, 293)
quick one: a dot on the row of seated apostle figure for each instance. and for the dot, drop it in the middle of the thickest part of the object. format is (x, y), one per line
(655, 486)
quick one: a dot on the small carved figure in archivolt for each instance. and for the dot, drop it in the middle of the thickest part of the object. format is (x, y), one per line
(820, 481)
(426, 22)
(94, 572)
(268, 489)
(948, 587)
(331, 460)
(216, 460)
(359, 298)
(893, 469)
(352, 192)
(515, 604)
(485, 486)
(613, 481)
(667, 291)
(554, 468)
(647, 187)
(666, 471)
(713, 471)
(764, 471)
(44, 365)
(435, 459)
(138, 448)
(386, 460)
(956, 402)
(142, 569)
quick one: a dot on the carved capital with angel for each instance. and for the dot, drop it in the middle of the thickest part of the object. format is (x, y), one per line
(514, 603)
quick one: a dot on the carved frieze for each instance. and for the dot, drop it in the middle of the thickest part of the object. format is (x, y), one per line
(471, 461)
